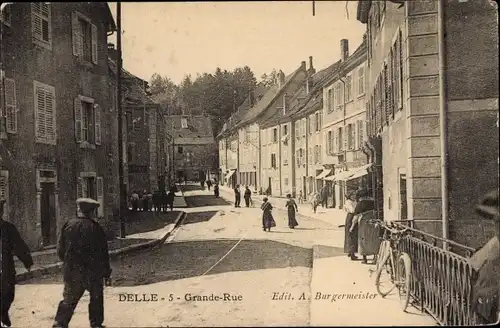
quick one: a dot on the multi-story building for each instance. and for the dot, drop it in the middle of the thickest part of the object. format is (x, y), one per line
(145, 157)
(192, 148)
(344, 124)
(55, 142)
(432, 93)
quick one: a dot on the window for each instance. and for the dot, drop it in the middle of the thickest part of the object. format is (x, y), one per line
(273, 161)
(340, 139)
(45, 113)
(330, 100)
(361, 81)
(297, 129)
(285, 129)
(130, 121)
(180, 150)
(41, 24)
(184, 123)
(397, 71)
(4, 185)
(285, 181)
(317, 120)
(337, 95)
(360, 133)
(348, 88)
(87, 120)
(85, 38)
(130, 152)
(285, 156)
(91, 186)
(9, 104)
(350, 136)
(329, 143)
(310, 155)
(275, 135)
(6, 15)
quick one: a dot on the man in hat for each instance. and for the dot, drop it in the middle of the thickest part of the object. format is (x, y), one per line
(12, 244)
(486, 261)
(83, 248)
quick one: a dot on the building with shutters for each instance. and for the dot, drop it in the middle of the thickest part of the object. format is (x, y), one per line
(57, 122)
(344, 125)
(191, 148)
(432, 107)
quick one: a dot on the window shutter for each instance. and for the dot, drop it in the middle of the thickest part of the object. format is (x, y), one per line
(79, 194)
(100, 196)
(94, 44)
(10, 105)
(4, 185)
(50, 117)
(46, 17)
(77, 35)
(36, 20)
(399, 66)
(78, 119)
(387, 109)
(97, 125)
(41, 132)
(345, 131)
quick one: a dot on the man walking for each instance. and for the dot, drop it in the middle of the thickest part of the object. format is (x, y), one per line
(324, 197)
(83, 248)
(247, 196)
(12, 244)
(237, 196)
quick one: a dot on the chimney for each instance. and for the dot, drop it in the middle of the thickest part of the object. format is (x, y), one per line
(303, 65)
(344, 49)
(311, 69)
(281, 78)
(112, 52)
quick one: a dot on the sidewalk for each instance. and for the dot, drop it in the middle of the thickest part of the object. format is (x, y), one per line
(332, 216)
(47, 262)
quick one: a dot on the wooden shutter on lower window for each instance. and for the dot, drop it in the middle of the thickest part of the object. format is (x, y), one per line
(10, 106)
(100, 196)
(95, 39)
(387, 91)
(50, 115)
(97, 125)
(78, 119)
(40, 112)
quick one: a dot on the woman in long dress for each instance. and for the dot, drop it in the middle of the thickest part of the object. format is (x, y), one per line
(351, 235)
(368, 232)
(267, 217)
(291, 207)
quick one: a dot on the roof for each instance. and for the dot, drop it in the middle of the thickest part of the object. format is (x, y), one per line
(135, 93)
(273, 91)
(318, 81)
(198, 131)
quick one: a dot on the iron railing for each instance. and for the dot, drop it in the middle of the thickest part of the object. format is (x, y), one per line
(442, 280)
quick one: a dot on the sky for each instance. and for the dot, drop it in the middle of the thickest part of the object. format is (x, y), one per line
(178, 38)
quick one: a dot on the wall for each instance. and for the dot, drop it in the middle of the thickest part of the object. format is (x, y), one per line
(287, 166)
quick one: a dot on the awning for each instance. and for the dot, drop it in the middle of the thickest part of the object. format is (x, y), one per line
(323, 174)
(350, 174)
(231, 172)
(359, 172)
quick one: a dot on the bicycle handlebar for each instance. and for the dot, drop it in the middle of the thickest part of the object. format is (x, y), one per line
(389, 226)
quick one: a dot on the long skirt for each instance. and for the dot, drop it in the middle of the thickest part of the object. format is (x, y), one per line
(369, 235)
(268, 221)
(351, 238)
(292, 222)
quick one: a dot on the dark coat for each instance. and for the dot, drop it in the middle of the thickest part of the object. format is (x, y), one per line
(237, 192)
(247, 194)
(83, 248)
(13, 244)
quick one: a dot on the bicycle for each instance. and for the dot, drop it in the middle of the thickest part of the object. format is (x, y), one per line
(394, 263)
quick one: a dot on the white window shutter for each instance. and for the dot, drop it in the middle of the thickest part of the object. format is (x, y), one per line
(36, 20)
(345, 131)
(41, 131)
(10, 105)
(78, 119)
(77, 35)
(100, 196)
(97, 125)
(94, 44)
(79, 194)
(50, 116)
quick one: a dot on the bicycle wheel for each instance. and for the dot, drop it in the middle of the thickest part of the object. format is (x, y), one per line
(384, 278)
(403, 280)
(382, 250)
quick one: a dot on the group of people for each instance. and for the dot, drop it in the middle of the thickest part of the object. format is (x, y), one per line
(268, 221)
(361, 235)
(158, 201)
(317, 198)
(247, 195)
(83, 249)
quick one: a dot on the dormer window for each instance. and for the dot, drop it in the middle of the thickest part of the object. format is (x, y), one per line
(184, 123)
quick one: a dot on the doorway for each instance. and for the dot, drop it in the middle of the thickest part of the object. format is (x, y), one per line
(48, 213)
(403, 211)
(270, 187)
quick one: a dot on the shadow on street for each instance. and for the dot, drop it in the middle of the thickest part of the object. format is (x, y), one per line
(190, 187)
(191, 259)
(205, 200)
(328, 251)
(199, 217)
(138, 222)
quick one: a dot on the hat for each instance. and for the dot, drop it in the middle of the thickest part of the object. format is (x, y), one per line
(87, 203)
(488, 207)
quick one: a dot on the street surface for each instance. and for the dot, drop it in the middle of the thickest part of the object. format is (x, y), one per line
(261, 264)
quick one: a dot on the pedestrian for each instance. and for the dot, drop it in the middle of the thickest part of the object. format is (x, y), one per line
(134, 199)
(368, 232)
(267, 216)
(237, 196)
(216, 190)
(301, 197)
(145, 201)
(209, 184)
(149, 201)
(12, 244)
(324, 197)
(351, 231)
(83, 248)
(156, 200)
(315, 201)
(202, 183)
(291, 207)
(247, 196)
(486, 261)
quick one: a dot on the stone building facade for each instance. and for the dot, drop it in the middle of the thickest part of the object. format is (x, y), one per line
(432, 106)
(56, 109)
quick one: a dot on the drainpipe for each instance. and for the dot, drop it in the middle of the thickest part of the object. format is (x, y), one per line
(443, 125)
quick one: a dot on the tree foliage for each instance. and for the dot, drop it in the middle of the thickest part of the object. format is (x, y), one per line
(217, 95)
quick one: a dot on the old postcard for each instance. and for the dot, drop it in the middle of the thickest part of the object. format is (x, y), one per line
(258, 163)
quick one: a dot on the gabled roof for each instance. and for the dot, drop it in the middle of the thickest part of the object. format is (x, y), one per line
(198, 131)
(318, 81)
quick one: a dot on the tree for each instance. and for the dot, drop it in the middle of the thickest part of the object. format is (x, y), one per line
(269, 79)
(166, 93)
